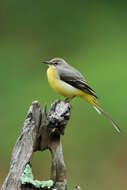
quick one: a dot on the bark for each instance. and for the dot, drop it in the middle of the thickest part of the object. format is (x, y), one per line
(40, 131)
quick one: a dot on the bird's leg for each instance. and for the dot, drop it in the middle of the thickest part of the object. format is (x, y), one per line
(69, 99)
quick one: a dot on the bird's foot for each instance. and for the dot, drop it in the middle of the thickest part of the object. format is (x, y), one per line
(68, 99)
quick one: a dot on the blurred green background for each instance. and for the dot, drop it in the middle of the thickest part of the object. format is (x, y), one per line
(91, 36)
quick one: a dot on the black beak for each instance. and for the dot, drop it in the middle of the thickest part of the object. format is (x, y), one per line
(45, 62)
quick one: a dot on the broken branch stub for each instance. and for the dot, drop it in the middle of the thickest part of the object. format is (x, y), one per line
(40, 131)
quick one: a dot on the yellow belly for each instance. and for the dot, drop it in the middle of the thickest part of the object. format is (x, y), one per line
(60, 86)
(65, 89)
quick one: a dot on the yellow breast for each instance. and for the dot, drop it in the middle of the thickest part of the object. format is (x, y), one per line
(58, 85)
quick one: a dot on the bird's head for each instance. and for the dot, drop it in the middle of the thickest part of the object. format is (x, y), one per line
(56, 62)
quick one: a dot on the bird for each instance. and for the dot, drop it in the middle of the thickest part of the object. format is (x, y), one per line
(70, 83)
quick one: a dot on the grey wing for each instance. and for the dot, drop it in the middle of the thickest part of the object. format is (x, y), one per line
(73, 77)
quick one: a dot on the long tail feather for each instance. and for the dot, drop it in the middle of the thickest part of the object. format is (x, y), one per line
(101, 111)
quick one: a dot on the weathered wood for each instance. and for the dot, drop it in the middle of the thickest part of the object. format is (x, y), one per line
(40, 131)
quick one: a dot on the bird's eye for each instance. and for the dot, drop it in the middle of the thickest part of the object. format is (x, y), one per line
(55, 63)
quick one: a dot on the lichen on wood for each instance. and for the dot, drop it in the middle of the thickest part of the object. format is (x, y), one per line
(28, 178)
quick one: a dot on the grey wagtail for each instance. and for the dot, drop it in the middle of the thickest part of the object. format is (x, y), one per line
(69, 82)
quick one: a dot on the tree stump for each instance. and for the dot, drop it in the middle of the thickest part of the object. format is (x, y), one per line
(40, 131)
